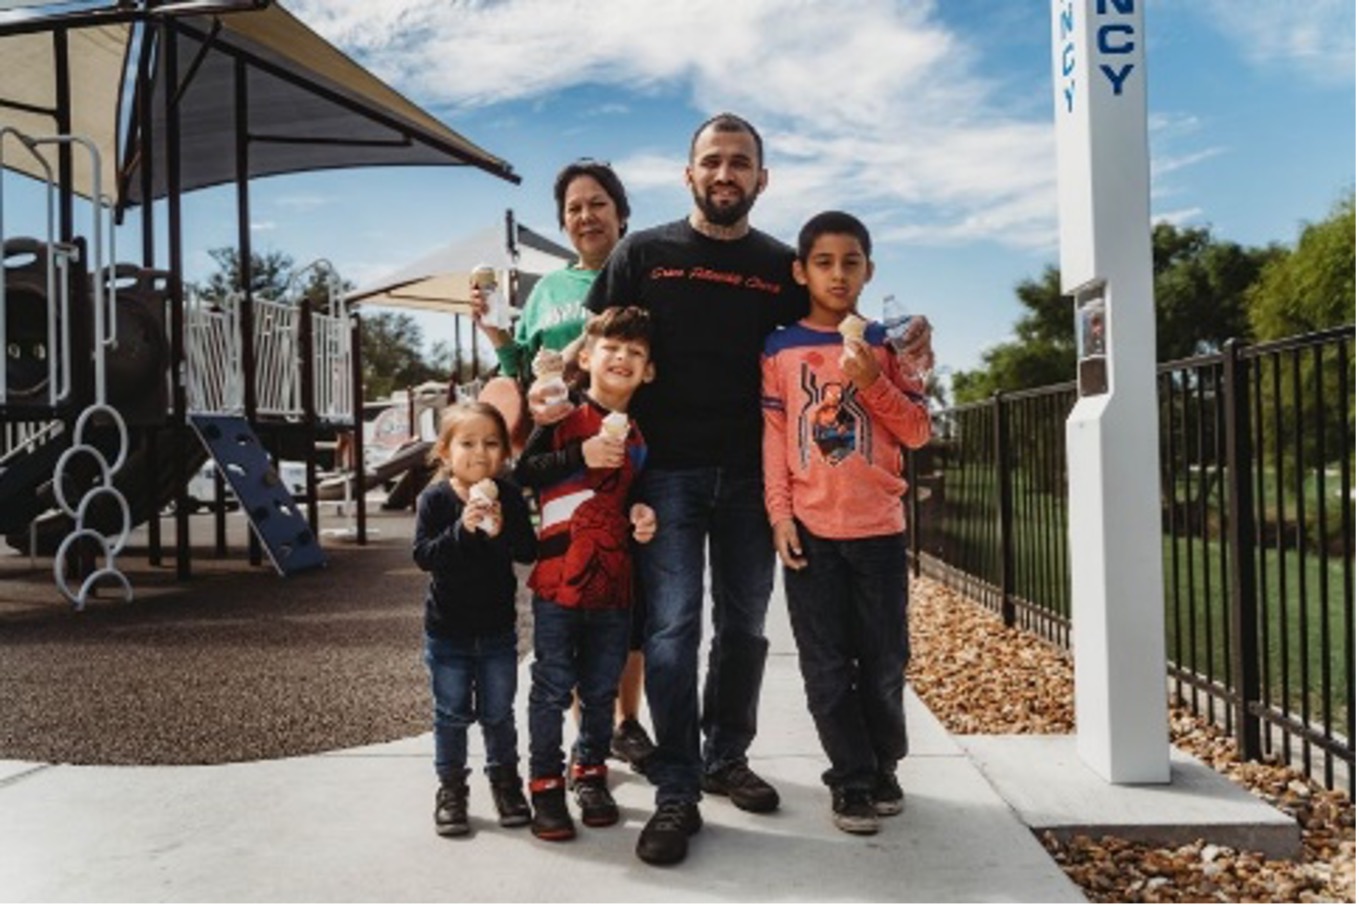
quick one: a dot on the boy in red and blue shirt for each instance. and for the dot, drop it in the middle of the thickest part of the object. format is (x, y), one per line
(837, 410)
(583, 469)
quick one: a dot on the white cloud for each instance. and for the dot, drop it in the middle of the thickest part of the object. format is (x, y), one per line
(1164, 165)
(1176, 144)
(1179, 217)
(1314, 38)
(263, 226)
(875, 107)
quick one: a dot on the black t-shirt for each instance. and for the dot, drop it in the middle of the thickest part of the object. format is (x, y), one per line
(712, 302)
(471, 581)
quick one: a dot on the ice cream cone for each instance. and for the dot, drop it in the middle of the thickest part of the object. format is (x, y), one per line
(547, 363)
(484, 276)
(615, 426)
(852, 327)
(497, 314)
(485, 490)
(548, 367)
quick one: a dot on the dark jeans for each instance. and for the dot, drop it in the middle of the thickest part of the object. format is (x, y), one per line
(724, 513)
(574, 649)
(472, 679)
(848, 611)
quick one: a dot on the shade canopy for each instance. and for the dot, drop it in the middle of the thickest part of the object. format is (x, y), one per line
(29, 99)
(439, 281)
(305, 105)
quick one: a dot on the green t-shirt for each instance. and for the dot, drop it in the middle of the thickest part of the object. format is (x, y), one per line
(553, 316)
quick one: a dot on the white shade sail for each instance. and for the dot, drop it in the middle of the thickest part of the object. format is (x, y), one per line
(439, 280)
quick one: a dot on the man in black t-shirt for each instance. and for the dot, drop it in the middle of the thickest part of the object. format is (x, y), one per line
(715, 288)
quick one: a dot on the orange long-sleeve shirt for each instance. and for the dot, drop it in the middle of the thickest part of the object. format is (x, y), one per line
(832, 453)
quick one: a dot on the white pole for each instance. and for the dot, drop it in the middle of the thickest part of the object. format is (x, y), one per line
(1118, 619)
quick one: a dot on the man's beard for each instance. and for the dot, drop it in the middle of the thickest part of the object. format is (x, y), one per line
(724, 215)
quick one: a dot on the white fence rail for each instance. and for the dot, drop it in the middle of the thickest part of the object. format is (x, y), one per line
(334, 356)
(215, 359)
(212, 352)
(278, 365)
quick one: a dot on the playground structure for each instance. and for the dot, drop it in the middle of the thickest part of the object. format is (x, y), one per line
(117, 383)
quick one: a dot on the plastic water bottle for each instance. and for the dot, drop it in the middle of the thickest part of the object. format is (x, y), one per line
(897, 321)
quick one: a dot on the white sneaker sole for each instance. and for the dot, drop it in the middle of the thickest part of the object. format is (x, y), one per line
(856, 825)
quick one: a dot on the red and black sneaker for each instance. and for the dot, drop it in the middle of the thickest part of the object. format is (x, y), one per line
(551, 821)
(597, 806)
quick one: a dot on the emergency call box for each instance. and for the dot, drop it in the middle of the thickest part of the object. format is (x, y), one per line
(1092, 372)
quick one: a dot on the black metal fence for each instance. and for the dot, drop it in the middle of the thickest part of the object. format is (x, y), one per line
(1257, 521)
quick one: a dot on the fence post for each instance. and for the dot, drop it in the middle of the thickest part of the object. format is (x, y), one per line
(359, 467)
(1241, 542)
(307, 352)
(1004, 508)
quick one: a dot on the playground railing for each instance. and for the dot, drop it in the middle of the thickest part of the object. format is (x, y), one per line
(213, 348)
(212, 351)
(334, 363)
(278, 385)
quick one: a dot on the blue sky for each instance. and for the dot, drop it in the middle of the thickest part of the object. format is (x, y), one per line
(931, 120)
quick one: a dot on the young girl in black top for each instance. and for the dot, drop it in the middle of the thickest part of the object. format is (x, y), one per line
(469, 527)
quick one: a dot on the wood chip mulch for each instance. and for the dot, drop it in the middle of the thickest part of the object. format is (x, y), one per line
(979, 677)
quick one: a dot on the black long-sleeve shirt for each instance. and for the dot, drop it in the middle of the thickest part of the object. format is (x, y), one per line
(471, 577)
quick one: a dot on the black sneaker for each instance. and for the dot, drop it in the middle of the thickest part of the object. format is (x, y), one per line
(632, 744)
(887, 795)
(665, 837)
(853, 811)
(551, 821)
(597, 807)
(450, 810)
(746, 789)
(507, 792)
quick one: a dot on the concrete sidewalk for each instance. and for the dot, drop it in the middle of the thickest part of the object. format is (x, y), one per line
(356, 826)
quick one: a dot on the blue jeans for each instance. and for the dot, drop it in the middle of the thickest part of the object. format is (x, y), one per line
(724, 511)
(574, 649)
(473, 679)
(848, 612)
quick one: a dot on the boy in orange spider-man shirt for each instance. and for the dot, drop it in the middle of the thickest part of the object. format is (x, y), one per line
(840, 400)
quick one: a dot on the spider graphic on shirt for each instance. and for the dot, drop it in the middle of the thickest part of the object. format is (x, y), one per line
(831, 419)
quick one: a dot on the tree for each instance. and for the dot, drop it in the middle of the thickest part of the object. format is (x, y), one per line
(269, 272)
(1309, 289)
(392, 343)
(1044, 353)
(1200, 288)
(321, 282)
(392, 357)
(1312, 287)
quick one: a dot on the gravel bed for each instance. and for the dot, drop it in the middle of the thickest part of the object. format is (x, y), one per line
(978, 677)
